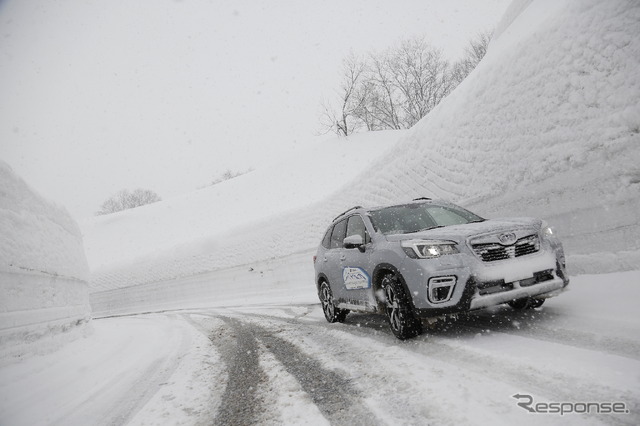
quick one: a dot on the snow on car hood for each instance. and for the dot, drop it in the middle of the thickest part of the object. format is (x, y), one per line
(459, 233)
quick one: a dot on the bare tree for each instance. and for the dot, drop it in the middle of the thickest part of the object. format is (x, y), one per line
(395, 88)
(392, 89)
(473, 54)
(420, 78)
(343, 121)
(124, 200)
(383, 99)
(227, 175)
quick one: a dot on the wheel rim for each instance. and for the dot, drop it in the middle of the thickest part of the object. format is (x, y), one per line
(327, 301)
(393, 308)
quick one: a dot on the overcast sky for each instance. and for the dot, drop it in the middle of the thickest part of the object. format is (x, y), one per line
(97, 96)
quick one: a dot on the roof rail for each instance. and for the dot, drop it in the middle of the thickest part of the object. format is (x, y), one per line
(421, 198)
(347, 211)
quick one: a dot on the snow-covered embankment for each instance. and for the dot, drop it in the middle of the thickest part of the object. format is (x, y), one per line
(43, 271)
(547, 125)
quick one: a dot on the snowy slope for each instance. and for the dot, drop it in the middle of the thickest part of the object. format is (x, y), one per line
(194, 233)
(43, 269)
(547, 125)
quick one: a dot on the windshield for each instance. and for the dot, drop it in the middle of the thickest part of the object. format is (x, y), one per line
(410, 218)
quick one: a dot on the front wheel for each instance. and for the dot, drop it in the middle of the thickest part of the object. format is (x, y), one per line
(520, 304)
(402, 320)
(536, 303)
(331, 313)
(526, 303)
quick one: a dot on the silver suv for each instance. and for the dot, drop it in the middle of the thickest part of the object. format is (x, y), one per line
(430, 258)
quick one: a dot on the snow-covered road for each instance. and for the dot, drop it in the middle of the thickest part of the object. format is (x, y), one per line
(284, 364)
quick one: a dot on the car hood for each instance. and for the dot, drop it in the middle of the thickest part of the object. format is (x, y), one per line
(460, 233)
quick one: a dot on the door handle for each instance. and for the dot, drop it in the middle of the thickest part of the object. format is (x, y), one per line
(343, 258)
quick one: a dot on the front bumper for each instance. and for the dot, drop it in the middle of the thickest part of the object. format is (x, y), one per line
(482, 284)
(541, 290)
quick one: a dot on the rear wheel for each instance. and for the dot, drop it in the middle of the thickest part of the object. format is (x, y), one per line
(331, 313)
(402, 320)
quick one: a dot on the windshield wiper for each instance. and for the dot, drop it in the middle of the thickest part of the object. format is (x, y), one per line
(424, 229)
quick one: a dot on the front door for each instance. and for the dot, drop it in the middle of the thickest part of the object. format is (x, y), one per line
(355, 262)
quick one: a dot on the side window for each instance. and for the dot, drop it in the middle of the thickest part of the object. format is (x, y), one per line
(355, 226)
(338, 234)
(326, 240)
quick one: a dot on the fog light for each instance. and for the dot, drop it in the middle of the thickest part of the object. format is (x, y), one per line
(440, 289)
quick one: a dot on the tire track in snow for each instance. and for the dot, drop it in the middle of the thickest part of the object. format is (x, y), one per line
(374, 367)
(331, 392)
(241, 403)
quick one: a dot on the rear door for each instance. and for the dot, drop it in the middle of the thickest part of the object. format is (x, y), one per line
(332, 258)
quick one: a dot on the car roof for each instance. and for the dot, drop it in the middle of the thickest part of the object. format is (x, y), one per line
(421, 200)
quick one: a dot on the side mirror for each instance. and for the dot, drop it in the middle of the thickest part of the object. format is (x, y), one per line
(354, 241)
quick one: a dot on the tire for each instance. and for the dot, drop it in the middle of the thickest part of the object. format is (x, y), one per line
(402, 320)
(536, 303)
(331, 313)
(520, 304)
(525, 303)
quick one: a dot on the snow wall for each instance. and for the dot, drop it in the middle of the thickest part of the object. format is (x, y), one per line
(43, 270)
(547, 125)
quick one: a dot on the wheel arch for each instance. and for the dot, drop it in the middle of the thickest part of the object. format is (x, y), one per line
(319, 280)
(378, 273)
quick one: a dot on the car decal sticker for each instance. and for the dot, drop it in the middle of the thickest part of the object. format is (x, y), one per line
(355, 278)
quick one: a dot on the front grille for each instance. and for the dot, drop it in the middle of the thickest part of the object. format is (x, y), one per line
(490, 287)
(495, 251)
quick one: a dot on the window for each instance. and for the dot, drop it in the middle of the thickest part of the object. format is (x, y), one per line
(338, 234)
(355, 226)
(326, 240)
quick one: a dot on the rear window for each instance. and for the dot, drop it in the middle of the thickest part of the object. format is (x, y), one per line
(326, 240)
(338, 234)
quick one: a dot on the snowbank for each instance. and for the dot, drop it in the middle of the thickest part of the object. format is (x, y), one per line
(43, 269)
(547, 125)
(282, 281)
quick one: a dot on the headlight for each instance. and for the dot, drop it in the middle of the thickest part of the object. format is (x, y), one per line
(428, 249)
(547, 231)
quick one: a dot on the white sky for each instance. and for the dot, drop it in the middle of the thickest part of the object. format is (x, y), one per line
(97, 96)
